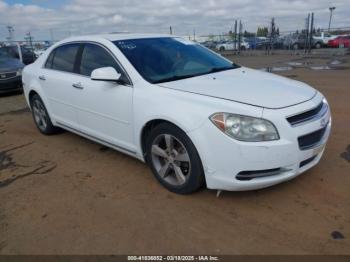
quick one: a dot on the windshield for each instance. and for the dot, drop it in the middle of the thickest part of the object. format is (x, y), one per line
(168, 59)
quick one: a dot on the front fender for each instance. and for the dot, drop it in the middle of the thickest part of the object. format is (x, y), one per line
(186, 110)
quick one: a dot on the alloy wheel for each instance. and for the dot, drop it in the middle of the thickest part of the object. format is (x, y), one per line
(171, 159)
(40, 115)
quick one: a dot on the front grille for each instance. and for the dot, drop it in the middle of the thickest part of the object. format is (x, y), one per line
(4, 76)
(249, 175)
(307, 161)
(309, 115)
(311, 140)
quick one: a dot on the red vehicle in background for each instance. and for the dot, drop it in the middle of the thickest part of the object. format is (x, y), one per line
(340, 41)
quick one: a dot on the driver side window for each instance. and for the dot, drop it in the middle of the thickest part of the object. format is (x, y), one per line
(93, 57)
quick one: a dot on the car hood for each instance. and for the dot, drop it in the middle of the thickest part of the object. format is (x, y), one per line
(247, 86)
(10, 64)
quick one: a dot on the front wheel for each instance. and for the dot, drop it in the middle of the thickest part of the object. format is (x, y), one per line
(174, 159)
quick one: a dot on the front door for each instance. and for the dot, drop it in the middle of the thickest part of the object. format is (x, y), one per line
(104, 108)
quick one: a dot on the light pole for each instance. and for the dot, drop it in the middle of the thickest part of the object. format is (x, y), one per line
(330, 17)
(10, 30)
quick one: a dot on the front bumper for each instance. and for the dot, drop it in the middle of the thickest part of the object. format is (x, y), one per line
(224, 158)
(11, 84)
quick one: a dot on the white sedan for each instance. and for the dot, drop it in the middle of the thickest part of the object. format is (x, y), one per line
(230, 46)
(194, 117)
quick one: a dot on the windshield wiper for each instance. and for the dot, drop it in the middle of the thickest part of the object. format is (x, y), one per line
(212, 70)
(173, 78)
(219, 69)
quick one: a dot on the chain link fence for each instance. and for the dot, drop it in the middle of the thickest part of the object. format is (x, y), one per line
(268, 39)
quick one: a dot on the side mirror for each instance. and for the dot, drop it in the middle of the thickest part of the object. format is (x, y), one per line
(105, 74)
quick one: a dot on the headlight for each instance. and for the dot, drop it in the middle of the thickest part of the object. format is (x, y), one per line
(245, 128)
(19, 72)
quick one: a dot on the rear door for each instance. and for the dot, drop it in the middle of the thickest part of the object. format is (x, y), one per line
(57, 78)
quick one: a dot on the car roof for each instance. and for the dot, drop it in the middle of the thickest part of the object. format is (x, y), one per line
(116, 37)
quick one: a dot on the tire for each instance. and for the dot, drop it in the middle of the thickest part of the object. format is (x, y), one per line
(243, 48)
(222, 48)
(179, 170)
(41, 116)
(318, 45)
(295, 46)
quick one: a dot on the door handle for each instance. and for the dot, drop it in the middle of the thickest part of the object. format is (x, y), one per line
(78, 86)
(42, 78)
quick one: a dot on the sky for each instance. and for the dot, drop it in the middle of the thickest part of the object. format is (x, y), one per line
(57, 19)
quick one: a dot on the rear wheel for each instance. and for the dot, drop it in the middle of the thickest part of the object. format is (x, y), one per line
(222, 48)
(41, 116)
(174, 159)
(318, 45)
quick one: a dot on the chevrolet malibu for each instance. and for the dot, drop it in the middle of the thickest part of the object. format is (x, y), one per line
(193, 116)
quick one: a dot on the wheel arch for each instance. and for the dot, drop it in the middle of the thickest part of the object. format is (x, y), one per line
(147, 128)
(31, 93)
(37, 91)
(151, 124)
(318, 43)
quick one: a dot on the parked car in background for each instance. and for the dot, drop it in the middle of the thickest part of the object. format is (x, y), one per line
(231, 45)
(10, 72)
(340, 41)
(210, 44)
(299, 41)
(324, 38)
(193, 116)
(260, 43)
(28, 55)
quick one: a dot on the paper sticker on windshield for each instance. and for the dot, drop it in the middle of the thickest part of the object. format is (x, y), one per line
(184, 41)
(126, 45)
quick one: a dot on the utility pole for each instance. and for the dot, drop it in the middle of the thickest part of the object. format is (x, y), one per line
(330, 17)
(240, 36)
(51, 35)
(11, 31)
(194, 34)
(311, 31)
(235, 36)
(29, 40)
(171, 30)
(272, 34)
(307, 28)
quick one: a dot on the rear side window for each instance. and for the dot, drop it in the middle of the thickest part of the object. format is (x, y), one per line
(94, 57)
(64, 58)
(49, 61)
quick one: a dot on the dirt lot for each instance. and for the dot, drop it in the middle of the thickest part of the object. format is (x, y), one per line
(66, 195)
